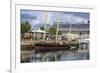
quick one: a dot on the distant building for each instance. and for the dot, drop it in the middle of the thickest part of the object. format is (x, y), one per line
(82, 30)
(75, 28)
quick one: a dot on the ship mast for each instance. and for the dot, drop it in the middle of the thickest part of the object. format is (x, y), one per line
(57, 30)
(46, 21)
(71, 19)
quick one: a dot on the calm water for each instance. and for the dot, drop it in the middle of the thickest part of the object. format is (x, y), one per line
(63, 55)
(60, 56)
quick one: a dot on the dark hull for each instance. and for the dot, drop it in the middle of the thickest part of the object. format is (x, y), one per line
(53, 47)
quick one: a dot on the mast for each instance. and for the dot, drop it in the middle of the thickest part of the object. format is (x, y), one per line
(57, 30)
(46, 21)
(71, 19)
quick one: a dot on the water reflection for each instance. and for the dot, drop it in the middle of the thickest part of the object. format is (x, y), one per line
(32, 55)
(60, 56)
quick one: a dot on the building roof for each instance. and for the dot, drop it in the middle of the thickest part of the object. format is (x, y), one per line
(39, 31)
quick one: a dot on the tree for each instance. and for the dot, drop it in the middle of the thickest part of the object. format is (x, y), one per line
(60, 33)
(53, 30)
(25, 27)
(42, 28)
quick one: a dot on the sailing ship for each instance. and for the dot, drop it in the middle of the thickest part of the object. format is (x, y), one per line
(56, 45)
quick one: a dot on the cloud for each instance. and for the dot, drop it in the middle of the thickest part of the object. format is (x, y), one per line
(36, 18)
(71, 18)
(77, 19)
(34, 22)
(30, 12)
(27, 16)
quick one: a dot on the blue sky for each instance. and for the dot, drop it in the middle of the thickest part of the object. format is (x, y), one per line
(38, 17)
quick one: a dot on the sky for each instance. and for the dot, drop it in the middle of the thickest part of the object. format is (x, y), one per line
(39, 17)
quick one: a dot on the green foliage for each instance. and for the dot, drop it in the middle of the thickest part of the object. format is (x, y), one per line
(25, 27)
(42, 28)
(60, 33)
(53, 30)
